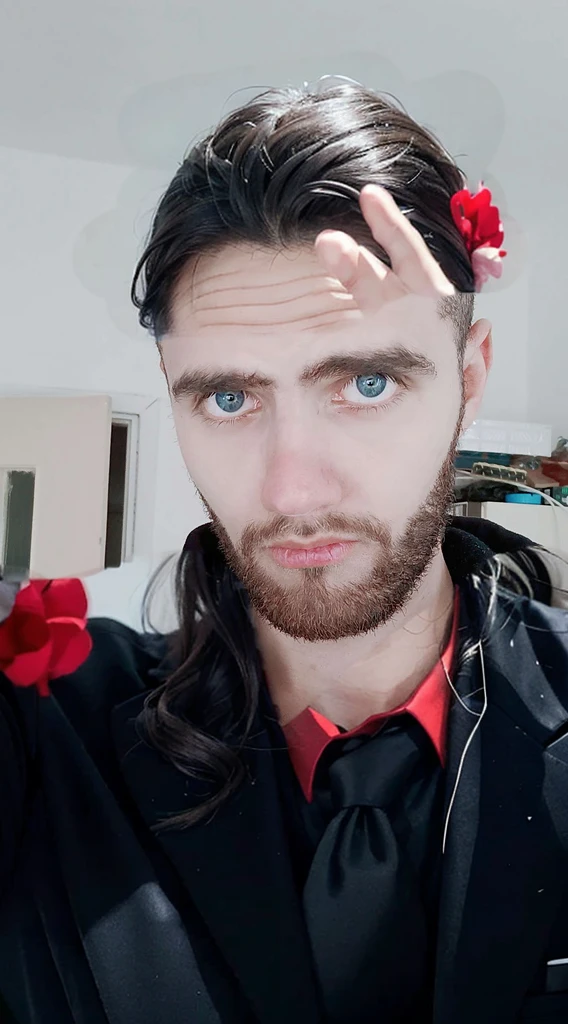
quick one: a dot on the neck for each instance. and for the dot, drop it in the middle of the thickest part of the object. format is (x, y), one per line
(350, 679)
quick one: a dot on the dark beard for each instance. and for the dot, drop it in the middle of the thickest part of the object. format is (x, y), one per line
(316, 611)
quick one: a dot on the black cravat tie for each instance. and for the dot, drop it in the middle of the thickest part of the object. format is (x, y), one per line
(363, 899)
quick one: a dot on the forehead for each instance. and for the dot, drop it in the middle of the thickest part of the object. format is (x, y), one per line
(259, 289)
(246, 297)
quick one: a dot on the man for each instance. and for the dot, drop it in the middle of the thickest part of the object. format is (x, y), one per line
(338, 792)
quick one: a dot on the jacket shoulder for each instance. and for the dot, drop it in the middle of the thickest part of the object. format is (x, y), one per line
(541, 645)
(121, 664)
(550, 622)
(120, 667)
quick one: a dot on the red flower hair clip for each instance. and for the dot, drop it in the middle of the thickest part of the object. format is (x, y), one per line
(480, 225)
(45, 633)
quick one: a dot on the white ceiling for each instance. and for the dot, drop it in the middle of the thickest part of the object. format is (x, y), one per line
(133, 81)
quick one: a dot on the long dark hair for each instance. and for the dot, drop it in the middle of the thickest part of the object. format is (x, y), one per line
(275, 172)
(201, 715)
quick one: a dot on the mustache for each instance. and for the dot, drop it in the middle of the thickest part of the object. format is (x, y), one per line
(365, 528)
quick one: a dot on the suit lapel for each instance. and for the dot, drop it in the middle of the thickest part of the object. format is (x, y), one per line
(504, 869)
(236, 868)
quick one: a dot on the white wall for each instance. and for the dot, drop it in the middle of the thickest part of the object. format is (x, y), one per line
(489, 78)
(58, 334)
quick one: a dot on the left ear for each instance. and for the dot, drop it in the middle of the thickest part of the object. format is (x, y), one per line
(477, 360)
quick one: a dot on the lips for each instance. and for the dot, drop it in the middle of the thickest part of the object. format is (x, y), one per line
(326, 542)
(302, 557)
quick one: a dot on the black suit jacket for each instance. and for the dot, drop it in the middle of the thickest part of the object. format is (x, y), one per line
(104, 922)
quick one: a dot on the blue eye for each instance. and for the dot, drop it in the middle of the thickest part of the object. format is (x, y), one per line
(377, 387)
(372, 385)
(229, 401)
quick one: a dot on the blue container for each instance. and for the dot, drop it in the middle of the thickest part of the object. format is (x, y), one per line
(524, 498)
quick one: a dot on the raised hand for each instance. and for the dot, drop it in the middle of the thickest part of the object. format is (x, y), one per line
(371, 283)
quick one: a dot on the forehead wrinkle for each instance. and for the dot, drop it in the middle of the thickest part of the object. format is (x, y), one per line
(253, 296)
(324, 319)
(198, 291)
(313, 307)
(335, 294)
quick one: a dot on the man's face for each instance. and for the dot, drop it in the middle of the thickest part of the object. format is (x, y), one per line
(363, 452)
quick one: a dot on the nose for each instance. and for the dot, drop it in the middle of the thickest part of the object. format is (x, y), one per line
(300, 483)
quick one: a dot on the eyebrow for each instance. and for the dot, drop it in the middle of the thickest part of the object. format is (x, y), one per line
(391, 362)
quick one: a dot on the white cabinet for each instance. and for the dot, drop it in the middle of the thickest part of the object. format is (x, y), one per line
(545, 524)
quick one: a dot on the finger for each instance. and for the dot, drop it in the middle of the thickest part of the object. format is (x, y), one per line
(410, 257)
(358, 270)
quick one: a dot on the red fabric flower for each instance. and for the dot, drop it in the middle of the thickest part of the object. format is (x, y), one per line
(477, 220)
(45, 634)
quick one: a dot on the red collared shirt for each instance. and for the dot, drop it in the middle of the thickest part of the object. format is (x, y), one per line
(309, 733)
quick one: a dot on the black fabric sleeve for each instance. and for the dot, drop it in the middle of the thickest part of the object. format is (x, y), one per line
(121, 664)
(14, 771)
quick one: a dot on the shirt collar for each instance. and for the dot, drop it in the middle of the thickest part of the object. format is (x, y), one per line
(309, 733)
